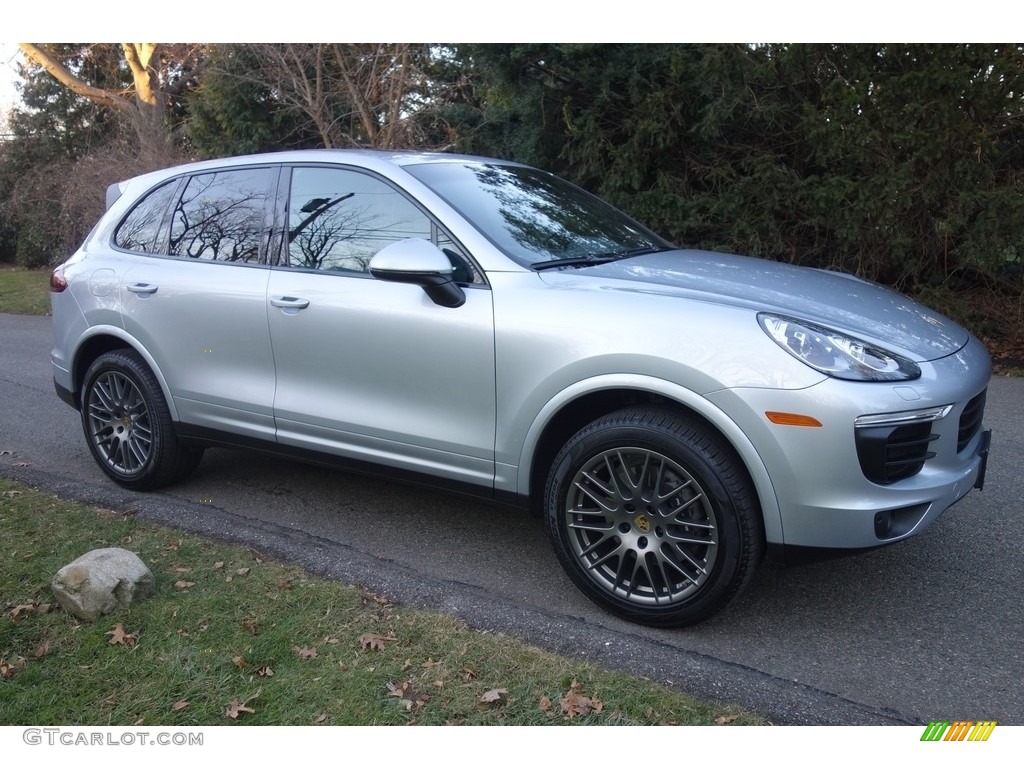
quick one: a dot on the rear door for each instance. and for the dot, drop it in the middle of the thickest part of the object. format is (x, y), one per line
(198, 301)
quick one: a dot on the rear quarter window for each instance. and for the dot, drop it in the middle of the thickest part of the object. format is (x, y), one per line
(143, 229)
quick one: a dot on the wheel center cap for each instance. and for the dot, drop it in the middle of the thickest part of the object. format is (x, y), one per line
(642, 523)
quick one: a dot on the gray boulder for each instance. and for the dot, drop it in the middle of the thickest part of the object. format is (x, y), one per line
(102, 581)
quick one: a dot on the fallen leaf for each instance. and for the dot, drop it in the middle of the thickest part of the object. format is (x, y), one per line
(331, 640)
(236, 708)
(284, 584)
(320, 718)
(218, 565)
(468, 675)
(371, 641)
(21, 612)
(228, 579)
(493, 695)
(182, 569)
(544, 705)
(249, 625)
(407, 695)
(119, 637)
(305, 653)
(9, 670)
(241, 663)
(242, 571)
(179, 705)
(184, 584)
(12, 494)
(726, 719)
(265, 671)
(44, 608)
(42, 649)
(575, 703)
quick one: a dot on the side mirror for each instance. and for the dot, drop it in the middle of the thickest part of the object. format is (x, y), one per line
(421, 263)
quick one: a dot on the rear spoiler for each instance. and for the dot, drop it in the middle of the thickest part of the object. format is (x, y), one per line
(114, 193)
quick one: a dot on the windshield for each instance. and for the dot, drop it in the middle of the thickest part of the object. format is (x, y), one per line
(534, 217)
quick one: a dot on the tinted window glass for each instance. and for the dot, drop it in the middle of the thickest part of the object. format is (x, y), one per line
(220, 216)
(141, 229)
(338, 219)
(534, 216)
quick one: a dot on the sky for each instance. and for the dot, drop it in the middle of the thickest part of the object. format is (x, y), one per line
(9, 55)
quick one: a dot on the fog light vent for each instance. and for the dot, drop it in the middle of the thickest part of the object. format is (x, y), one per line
(891, 453)
(970, 421)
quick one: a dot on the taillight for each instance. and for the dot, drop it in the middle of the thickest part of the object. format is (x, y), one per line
(57, 281)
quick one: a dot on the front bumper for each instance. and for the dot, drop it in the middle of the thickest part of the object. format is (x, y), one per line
(825, 500)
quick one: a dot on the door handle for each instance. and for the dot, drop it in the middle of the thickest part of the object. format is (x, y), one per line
(143, 289)
(289, 302)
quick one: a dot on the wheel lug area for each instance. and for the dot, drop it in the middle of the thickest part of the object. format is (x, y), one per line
(642, 542)
(659, 532)
(623, 527)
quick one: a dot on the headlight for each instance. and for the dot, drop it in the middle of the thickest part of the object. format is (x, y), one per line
(837, 354)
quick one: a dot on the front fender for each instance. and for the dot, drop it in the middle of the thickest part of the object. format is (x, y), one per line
(690, 400)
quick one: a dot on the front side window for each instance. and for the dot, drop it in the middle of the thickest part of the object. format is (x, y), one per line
(221, 216)
(142, 230)
(339, 219)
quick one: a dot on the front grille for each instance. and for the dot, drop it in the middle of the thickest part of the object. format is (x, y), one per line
(970, 421)
(890, 453)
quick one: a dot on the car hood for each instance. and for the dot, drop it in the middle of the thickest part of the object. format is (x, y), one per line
(834, 299)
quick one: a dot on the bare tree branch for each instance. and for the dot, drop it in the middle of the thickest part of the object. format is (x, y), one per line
(102, 96)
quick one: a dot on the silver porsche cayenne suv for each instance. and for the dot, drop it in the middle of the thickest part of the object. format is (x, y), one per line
(483, 326)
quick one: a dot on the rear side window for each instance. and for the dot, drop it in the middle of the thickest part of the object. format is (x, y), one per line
(143, 229)
(222, 216)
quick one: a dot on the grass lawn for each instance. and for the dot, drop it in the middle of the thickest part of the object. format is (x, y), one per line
(232, 637)
(25, 291)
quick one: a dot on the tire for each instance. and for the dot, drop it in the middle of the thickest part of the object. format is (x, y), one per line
(128, 426)
(653, 517)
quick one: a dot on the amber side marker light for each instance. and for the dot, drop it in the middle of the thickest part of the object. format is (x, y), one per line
(57, 281)
(792, 419)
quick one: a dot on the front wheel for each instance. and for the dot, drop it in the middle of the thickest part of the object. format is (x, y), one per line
(128, 426)
(653, 517)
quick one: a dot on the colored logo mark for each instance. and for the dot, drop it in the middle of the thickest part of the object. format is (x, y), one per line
(960, 730)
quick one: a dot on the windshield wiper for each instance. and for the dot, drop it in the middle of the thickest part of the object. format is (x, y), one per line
(595, 258)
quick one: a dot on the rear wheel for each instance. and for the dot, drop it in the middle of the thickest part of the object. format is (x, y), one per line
(128, 426)
(653, 517)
